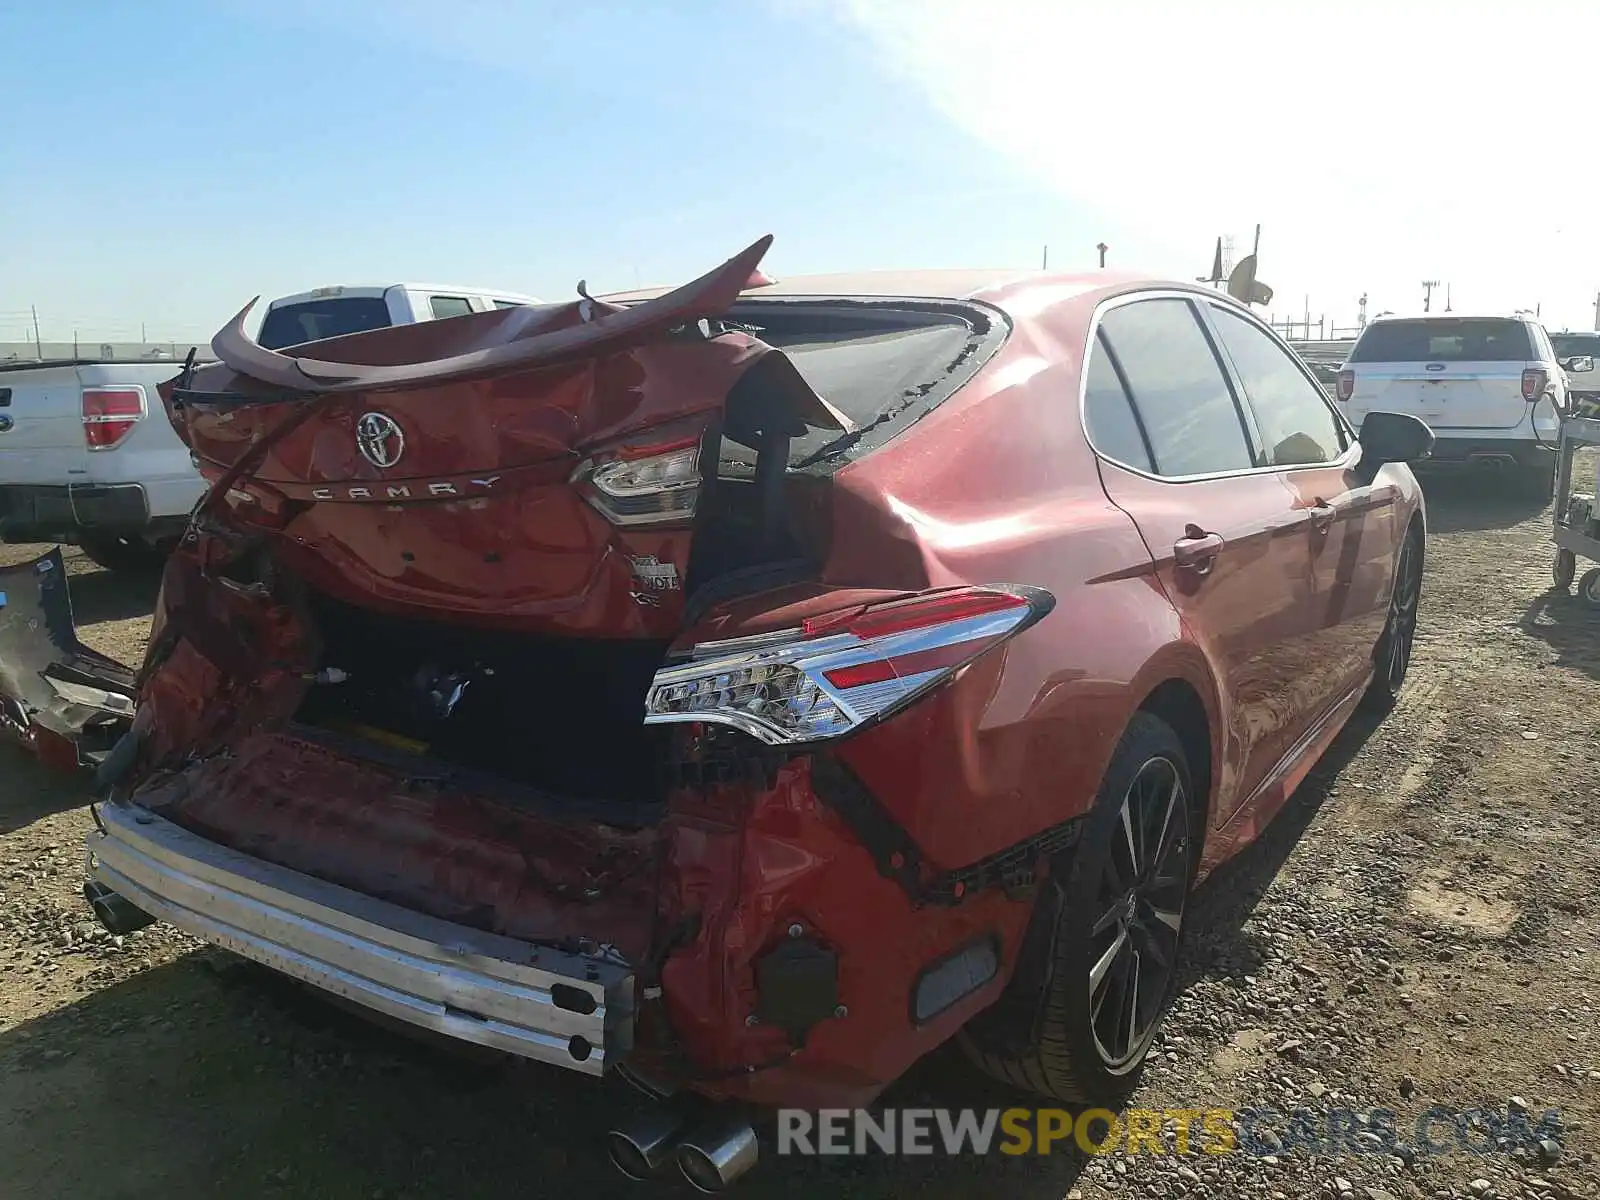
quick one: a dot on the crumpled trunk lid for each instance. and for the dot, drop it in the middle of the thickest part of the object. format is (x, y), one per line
(447, 469)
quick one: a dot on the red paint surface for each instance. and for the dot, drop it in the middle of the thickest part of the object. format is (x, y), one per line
(997, 485)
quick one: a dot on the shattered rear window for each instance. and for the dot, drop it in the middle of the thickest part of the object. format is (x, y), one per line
(883, 364)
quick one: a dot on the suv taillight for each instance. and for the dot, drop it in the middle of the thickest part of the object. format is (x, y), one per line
(644, 485)
(1533, 382)
(1347, 384)
(834, 675)
(110, 413)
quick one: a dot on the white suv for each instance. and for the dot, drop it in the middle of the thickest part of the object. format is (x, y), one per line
(1491, 389)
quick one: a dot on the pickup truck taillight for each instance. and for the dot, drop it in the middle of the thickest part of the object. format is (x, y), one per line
(1533, 382)
(833, 675)
(110, 413)
(1347, 384)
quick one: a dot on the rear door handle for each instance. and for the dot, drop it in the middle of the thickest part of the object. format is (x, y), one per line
(1197, 551)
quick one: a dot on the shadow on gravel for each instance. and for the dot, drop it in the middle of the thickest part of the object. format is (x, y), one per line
(112, 595)
(1459, 503)
(1568, 626)
(212, 1077)
(29, 790)
(1218, 946)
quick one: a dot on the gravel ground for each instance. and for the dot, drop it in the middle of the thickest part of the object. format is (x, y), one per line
(1419, 928)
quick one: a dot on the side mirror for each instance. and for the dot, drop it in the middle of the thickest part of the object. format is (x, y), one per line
(1578, 363)
(1392, 437)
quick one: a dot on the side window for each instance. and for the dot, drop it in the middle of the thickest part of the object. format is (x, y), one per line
(1298, 426)
(1183, 399)
(1108, 413)
(508, 304)
(449, 306)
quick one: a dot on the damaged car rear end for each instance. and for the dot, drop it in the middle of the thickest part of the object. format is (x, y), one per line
(577, 681)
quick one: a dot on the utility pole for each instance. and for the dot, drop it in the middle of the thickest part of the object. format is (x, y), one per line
(1361, 319)
(38, 347)
(1102, 247)
(1447, 298)
(1427, 294)
(1597, 312)
(1044, 263)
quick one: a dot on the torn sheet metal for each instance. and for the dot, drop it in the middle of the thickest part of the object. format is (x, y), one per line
(64, 701)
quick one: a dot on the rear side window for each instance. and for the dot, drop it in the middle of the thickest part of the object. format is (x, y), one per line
(1444, 339)
(508, 304)
(1182, 397)
(1108, 413)
(1297, 426)
(314, 320)
(449, 306)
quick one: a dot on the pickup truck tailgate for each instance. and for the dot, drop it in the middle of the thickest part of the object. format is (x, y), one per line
(41, 416)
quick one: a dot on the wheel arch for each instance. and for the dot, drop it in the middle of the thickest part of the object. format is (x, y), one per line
(1178, 703)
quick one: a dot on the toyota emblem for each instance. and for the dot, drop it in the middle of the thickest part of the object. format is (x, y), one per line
(379, 439)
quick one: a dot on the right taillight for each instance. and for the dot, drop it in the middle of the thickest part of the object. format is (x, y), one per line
(644, 485)
(834, 675)
(1533, 382)
(1347, 384)
(110, 413)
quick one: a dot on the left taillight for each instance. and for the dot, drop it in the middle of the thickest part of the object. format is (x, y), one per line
(110, 413)
(644, 485)
(1533, 384)
(832, 676)
(1347, 384)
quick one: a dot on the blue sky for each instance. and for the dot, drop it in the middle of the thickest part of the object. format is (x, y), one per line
(162, 162)
(237, 149)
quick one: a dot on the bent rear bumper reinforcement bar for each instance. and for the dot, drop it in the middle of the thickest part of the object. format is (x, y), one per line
(565, 1009)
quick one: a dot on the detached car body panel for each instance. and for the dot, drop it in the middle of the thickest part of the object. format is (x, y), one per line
(770, 682)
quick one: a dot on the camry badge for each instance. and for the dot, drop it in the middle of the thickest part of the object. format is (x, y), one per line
(379, 439)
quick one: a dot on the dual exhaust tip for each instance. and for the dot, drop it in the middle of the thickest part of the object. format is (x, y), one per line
(710, 1153)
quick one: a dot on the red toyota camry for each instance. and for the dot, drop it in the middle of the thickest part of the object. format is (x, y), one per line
(748, 687)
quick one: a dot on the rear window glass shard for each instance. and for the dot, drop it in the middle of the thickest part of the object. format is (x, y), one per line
(1444, 339)
(883, 364)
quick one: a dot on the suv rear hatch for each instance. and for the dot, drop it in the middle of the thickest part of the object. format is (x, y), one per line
(1451, 372)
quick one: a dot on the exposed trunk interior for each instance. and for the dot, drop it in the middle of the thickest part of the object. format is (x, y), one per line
(559, 715)
(564, 716)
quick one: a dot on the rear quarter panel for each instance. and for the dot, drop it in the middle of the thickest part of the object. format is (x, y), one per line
(998, 486)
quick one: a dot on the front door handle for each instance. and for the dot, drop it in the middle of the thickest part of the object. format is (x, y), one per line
(1322, 516)
(1197, 550)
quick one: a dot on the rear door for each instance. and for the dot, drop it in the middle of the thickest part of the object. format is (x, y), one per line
(1455, 373)
(1353, 538)
(1230, 538)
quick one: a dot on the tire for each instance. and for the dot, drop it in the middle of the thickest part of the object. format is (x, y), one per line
(1589, 588)
(1060, 1027)
(1391, 657)
(123, 554)
(1565, 569)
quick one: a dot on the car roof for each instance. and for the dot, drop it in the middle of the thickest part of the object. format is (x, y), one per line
(993, 285)
(1448, 316)
(373, 291)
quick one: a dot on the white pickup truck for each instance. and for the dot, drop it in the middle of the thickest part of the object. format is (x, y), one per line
(82, 462)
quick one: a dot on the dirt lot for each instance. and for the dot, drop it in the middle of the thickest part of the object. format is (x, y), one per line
(1419, 928)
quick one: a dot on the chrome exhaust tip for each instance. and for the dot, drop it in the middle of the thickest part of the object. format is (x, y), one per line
(718, 1152)
(642, 1146)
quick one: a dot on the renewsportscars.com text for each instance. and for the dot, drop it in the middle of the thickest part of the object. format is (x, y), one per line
(1214, 1131)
